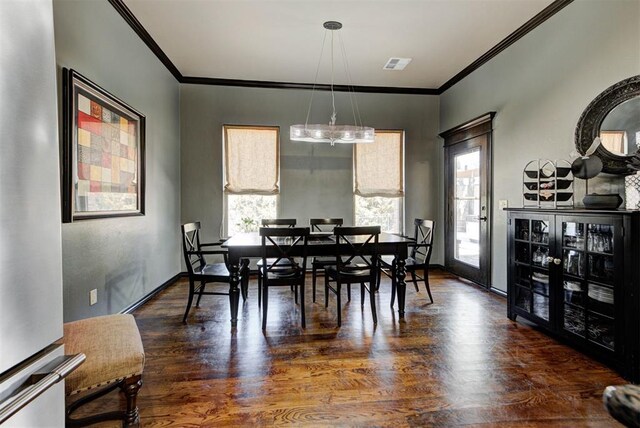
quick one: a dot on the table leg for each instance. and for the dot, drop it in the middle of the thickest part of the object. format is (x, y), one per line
(234, 290)
(401, 286)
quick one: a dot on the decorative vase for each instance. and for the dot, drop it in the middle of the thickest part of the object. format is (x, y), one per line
(594, 201)
(632, 191)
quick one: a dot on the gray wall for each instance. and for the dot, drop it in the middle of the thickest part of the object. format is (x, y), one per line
(124, 258)
(30, 248)
(316, 179)
(539, 87)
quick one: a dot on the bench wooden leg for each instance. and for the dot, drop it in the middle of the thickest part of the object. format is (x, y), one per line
(130, 388)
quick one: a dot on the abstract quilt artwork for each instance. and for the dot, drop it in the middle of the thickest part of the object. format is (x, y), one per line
(103, 153)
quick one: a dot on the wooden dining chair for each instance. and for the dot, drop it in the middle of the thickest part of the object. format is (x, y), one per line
(202, 273)
(285, 269)
(356, 257)
(273, 223)
(418, 260)
(319, 263)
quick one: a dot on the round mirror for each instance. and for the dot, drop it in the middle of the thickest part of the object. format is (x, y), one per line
(620, 129)
(614, 116)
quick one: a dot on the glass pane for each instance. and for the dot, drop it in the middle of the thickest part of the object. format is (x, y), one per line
(539, 256)
(522, 229)
(244, 212)
(574, 320)
(601, 268)
(601, 330)
(573, 262)
(379, 211)
(467, 208)
(600, 238)
(573, 235)
(541, 306)
(574, 293)
(523, 299)
(540, 283)
(540, 231)
(523, 275)
(601, 299)
(522, 252)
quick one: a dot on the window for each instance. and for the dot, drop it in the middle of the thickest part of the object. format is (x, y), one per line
(379, 181)
(251, 176)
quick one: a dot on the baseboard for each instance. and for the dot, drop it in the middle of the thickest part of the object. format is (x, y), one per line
(498, 292)
(149, 296)
(436, 266)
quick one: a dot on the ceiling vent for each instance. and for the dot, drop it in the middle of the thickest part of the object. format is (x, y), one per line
(396, 64)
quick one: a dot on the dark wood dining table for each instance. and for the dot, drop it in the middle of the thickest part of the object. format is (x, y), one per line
(249, 245)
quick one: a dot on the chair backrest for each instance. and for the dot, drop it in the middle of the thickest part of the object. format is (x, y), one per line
(355, 245)
(191, 246)
(278, 222)
(324, 224)
(286, 242)
(423, 235)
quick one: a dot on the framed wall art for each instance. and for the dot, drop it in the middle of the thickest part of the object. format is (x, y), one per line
(103, 152)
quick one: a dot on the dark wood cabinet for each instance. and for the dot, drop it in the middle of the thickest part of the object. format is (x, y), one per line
(575, 273)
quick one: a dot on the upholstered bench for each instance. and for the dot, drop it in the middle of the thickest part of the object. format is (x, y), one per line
(115, 359)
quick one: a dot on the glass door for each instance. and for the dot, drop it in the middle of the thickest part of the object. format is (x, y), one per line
(467, 226)
(531, 276)
(589, 278)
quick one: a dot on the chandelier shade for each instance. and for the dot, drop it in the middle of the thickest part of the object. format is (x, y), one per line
(330, 132)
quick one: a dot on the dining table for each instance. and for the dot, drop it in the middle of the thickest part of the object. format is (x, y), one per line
(249, 245)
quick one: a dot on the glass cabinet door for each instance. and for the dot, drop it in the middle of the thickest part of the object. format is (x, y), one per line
(531, 267)
(588, 278)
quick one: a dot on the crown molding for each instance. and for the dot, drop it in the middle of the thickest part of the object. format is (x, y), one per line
(139, 29)
(528, 26)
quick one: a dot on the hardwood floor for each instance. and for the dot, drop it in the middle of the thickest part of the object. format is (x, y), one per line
(458, 361)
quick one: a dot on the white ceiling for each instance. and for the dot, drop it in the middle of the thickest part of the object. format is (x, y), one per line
(277, 40)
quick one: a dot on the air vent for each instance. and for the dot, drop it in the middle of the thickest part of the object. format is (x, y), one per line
(396, 64)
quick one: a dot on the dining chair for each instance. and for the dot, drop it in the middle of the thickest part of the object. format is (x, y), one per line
(201, 272)
(319, 263)
(418, 259)
(356, 257)
(273, 223)
(284, 242)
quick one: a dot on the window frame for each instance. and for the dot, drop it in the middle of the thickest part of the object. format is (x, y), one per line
(224, 226)
(404, 172)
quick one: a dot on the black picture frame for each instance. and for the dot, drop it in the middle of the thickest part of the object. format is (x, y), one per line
(103, 153)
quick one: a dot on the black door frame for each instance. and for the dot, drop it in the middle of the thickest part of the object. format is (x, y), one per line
(474, 133)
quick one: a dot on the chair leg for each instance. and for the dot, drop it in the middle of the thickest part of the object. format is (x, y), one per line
(314, 275)
(130, 388)
(393, 287)
(259, 287)
(415, 280)
(339, 292)
(326, 291)
(304, 320)
(379, 278)
(191, 292)
(426, 283)
(348, 292)
(202, 287)
(362, 294)
(265, 304)
(372, 297)
(245, 280)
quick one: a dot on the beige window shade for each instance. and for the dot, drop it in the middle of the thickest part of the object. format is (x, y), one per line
(251, 160)
(614, 141)
(379, 167)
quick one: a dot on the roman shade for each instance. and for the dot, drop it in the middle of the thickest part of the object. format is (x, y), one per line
(379, 167)
(251, 164)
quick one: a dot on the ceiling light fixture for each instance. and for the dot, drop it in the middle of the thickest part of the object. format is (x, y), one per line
(332, 133)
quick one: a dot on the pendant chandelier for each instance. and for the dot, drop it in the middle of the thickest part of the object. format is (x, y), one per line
(332, 133)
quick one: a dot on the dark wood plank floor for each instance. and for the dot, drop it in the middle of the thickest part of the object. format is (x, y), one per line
(459, 361)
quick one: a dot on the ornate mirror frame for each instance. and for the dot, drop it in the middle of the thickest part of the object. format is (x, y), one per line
(588, 126)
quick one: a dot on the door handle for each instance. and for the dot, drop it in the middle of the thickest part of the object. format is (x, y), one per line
(482, 218)
(557, 261)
